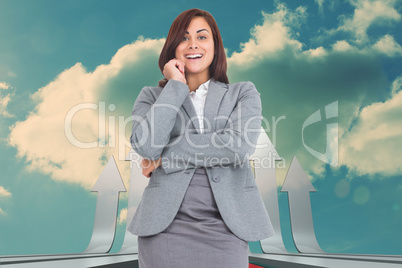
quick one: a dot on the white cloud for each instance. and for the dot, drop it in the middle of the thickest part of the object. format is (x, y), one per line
(41, 138)
(396, 86)
(123, 216)
(341, 45)
(320, 4)
(4, 85)
(4, 192)
(316, 52)
(5, 99)
(388, 46)
(272, 36)
(367, 13)
(373, 143)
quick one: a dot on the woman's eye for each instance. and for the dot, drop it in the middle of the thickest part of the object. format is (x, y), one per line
(203, 37)
(185, 38)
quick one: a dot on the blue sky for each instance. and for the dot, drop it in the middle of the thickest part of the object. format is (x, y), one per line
(301, 55)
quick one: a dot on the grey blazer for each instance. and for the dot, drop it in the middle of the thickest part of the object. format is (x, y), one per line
(165, 125)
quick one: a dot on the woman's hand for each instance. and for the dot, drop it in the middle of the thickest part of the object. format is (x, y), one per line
(148, 166)
(174, 69)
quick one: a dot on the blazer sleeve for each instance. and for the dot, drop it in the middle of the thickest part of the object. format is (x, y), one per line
(153, 120)
(232, 145)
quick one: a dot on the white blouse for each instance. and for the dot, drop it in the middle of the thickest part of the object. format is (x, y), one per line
(198, 97)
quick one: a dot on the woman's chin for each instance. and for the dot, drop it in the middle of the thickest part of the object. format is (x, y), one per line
(193, 71)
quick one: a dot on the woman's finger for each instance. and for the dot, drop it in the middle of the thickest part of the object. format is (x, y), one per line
(178, 64)
(181, 66)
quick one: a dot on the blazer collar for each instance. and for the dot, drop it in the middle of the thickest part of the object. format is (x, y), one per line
(216, 90)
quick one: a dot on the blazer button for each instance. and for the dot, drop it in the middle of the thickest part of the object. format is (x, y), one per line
(216, 178)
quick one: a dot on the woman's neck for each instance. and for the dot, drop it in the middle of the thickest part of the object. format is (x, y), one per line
(195, 81)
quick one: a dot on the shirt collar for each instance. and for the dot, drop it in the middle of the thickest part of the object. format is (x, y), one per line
(206, 84)
(202, 87)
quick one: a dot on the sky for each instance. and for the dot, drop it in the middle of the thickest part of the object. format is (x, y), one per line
(330, 78)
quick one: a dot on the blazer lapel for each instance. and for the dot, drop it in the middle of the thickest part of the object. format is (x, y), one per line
(216, 90)
(192, 114)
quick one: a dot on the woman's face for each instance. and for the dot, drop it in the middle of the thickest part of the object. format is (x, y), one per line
(196, 49)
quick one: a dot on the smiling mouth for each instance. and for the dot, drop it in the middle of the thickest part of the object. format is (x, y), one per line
(193, 56)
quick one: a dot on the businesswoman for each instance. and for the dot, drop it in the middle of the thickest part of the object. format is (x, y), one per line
(195, 132)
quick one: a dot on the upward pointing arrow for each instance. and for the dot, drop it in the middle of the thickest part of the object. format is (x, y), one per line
(298, 186)
(108, 186)
(265, 176)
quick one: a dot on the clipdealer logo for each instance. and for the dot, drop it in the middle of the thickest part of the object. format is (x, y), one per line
(330, 156)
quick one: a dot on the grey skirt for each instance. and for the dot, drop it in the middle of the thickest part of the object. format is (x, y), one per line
(197, 237)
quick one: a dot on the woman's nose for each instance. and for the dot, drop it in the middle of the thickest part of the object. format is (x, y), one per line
(193, 44)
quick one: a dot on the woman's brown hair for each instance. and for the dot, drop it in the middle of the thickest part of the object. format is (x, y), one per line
(218, 67)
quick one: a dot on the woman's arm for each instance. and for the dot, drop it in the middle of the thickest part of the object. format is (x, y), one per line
(153, 120)
(229, 146)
